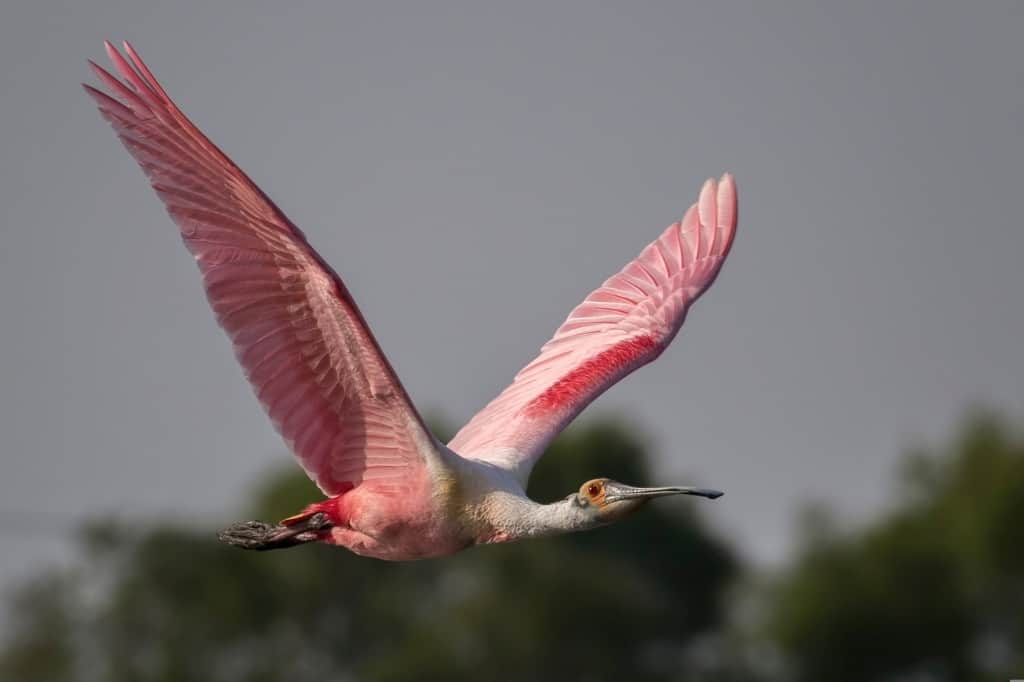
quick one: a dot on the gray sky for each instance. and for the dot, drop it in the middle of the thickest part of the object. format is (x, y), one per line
(473, 170)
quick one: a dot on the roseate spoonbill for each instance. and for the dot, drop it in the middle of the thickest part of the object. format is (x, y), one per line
(393, 490)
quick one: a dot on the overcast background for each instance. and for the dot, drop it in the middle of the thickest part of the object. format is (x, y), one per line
(473, 170)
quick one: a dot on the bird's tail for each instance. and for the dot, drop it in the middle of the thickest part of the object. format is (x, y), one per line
(294, 530)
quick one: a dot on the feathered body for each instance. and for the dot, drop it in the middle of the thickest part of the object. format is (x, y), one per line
(394, 491)
(459, 502)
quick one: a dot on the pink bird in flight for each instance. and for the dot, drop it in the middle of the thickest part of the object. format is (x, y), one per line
(394, 491)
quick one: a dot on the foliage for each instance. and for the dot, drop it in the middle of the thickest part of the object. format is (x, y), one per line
(170, 604)
(933, 591)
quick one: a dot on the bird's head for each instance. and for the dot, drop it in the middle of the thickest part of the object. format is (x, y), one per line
(602, 500)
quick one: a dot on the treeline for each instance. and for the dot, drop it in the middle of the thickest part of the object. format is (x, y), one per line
(933, 590)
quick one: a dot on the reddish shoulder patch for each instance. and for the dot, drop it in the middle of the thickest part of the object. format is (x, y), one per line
(582, 380)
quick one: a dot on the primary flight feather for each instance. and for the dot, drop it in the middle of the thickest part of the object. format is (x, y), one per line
(394, 491)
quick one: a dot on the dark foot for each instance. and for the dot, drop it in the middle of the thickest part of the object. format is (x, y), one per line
(263, 536)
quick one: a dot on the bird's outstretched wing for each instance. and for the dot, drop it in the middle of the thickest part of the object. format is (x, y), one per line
(624, 324)
(298, 334)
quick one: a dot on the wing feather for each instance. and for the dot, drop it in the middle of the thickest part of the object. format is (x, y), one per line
(621, 326)
(304, 346)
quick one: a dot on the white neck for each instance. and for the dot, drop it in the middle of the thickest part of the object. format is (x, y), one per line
(495, 507)
(514, 517)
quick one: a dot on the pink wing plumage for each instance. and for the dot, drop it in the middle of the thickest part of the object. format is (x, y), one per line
(298, 334)
(621, 326)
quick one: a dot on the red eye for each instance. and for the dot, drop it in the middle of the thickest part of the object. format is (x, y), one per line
(593, 490)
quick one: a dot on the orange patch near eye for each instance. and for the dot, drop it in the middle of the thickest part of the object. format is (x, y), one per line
(594, 491)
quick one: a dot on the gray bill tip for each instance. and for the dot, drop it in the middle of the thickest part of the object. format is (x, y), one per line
(708, 493)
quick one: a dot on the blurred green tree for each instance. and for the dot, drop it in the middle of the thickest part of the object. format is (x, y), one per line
(934, 591)
(173, 605)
